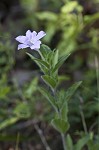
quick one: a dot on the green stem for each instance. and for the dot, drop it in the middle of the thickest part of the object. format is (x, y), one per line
(62, 134)
(63, 141)
(41, 55)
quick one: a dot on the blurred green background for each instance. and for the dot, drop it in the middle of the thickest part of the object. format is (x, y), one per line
(71, 26)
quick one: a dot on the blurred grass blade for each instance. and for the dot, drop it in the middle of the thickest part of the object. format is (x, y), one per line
(8, 122)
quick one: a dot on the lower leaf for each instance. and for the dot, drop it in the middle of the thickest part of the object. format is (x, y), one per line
(60, 125)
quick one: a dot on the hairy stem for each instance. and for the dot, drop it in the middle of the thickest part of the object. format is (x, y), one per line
(63, 141)
(62, 134)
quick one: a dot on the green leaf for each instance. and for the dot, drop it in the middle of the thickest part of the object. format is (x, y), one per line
(93, 144)
(22, 110)
(49, 97)
(91, 19)
(69, 142)
(45, 50)
(60, 62)
(60, 125)
(64, 111)
(50, 57)
(4, 91)
(50, 30)
(71, 6)
(31, 88)
(70, 92)
(63, 78)
(47, 16)
(81, 143)
(55, 59)
(8, 122)
(4, 88)
(49, 81)
(38, 61)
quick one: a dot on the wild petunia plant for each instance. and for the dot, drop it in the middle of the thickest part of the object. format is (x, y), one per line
(49, 63)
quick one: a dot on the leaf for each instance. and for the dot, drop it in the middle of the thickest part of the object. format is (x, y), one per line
(51, 29)
(49, 97)
(60, 125)
(8, 122)
(49, 81)
(60, 62)
(45, 50)
(71, 6)
(55, 59)
(64, 111)
(91, 19)
(47, 16)
(69, 142)
(62, 78)
(31, 88)
(81, 143)
(93, 144)
(38, 61)
(50, 58)
(22, 110)
(4, 91)
(42, 64)
(71, 90)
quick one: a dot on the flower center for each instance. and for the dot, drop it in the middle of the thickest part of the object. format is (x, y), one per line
(31, 41)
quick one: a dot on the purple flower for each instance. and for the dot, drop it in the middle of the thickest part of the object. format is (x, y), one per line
(32, 40)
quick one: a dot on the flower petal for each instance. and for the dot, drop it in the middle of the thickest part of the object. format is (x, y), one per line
(21, 46)
(34, 33)
(33, 39)
(21, 39)
(40, 35)
(36, 46)
(29, 34)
